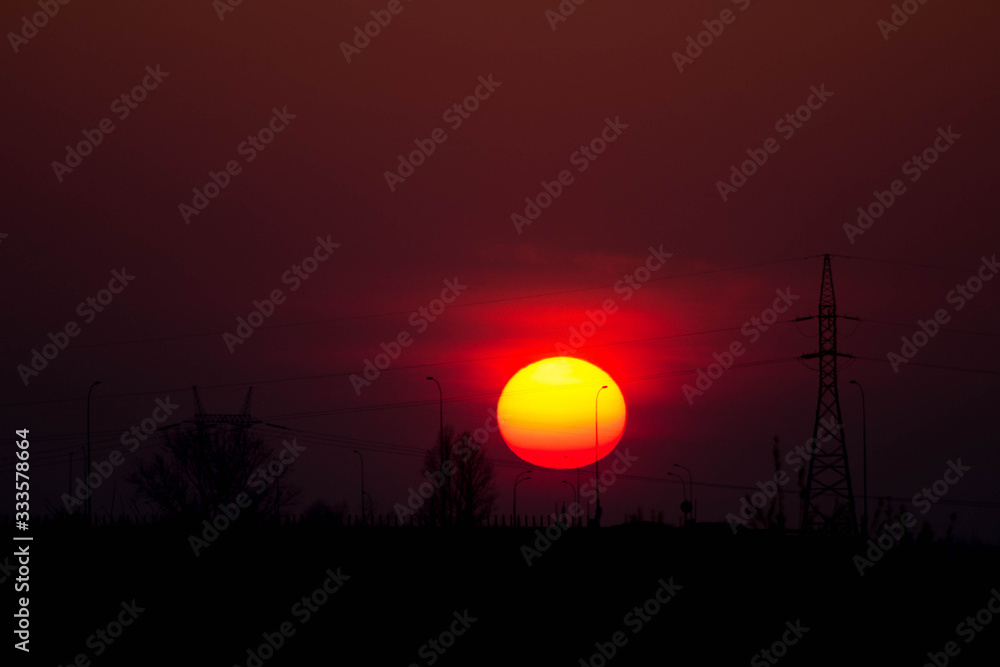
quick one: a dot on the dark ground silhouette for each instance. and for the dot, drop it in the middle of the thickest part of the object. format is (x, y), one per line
(401, 587)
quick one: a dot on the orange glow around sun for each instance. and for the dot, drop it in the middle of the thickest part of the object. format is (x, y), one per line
(547, 413)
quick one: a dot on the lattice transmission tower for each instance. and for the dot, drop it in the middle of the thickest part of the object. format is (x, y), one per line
(828, 501)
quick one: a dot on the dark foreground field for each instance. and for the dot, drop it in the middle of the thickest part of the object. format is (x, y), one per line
(473, 594)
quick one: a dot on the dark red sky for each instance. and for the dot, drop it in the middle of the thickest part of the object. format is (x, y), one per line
(655, 185)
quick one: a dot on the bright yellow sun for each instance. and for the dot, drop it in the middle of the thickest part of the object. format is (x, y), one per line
(548, 411)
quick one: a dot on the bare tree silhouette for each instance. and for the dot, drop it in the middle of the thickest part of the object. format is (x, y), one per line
(205, 467)
(773, 516)
(464, 479)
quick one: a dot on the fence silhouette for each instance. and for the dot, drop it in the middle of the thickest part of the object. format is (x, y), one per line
(335, 519)
(392, 520)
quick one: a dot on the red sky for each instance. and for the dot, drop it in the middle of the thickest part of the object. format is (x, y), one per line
(655, 185)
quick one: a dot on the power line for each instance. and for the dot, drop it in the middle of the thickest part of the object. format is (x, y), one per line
(901, 263)
(914, 326)
(349, 373)
(494, 395)
(151, 339)
(982, 371)
(421, 402)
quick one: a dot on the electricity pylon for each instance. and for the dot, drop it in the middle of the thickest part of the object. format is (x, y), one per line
(828, 501)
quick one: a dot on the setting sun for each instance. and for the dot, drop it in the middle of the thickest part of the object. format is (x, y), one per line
(548, 410)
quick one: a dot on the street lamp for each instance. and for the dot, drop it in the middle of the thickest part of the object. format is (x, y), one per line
(684, 494)
(441, 447)
(518, 480)
(440, 403)
(864, 457)
(577, 464)
(362, 486)
(686, 505)
(86, 470)
(689, 501)
(597, 475)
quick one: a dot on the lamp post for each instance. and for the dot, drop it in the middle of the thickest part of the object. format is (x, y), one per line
(864, 457)
(440, 403)
(362, 486)
(518, 480)
(441, 447)
(684, 503)
(86, 469)
(690, 499)
(577, 464)
(597, 475)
